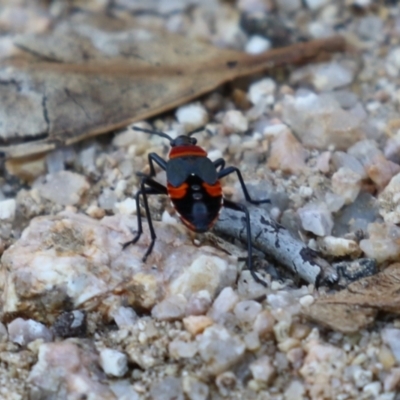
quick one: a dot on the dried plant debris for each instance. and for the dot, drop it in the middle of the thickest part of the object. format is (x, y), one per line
(82, 318)
(356, 306)
(109, 72)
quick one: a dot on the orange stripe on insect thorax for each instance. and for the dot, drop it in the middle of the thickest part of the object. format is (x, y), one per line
(214, 190)
(177, 192)
(187, 151)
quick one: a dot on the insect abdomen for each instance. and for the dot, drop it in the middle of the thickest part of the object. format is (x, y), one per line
(197, 203)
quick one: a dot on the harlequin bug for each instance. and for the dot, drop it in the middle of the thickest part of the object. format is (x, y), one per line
(193, 185)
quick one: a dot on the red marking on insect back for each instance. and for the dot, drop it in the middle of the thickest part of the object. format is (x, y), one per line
(177, 192)
(214, 190)
(187, 151)
(188, 224)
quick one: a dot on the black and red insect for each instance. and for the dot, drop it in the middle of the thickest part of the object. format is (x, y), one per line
(194, 187)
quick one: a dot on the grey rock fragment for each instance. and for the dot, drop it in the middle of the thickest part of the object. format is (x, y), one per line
(113, 362)
(65, 370)
(169, 388)
(220, 349)
(70, 324)
(25, 331)
(316, 219)
(65, 188)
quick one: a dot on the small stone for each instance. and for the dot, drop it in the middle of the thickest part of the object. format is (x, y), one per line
(393, 62)
(7, 210)
(386, 358)
(288, 5)
(346, 184)
(220, 349)
(123, 389)
(246, 311)
(65, 188)
(113, 362)
(257, 44)
(127, 206)
(383, 242)
(199, 303)
(226, 382)
(70, 324)
(323, 161)
(87, 158)
(330, 76)
(295, 356)
(295, 391)
(328, 360)
(341, 159)
(287, 154)
(274, 129)
(206, 272)
(264, 324)
(63, 367)
(252, 341)
(315, 4)
(389, 201)
(180, 349)
(373, 389)
(192, 115)
(225, 302)
(392, 380)
(130, 137)
(339, 247)
(306, 300)
(124, 317)
(55, 161)
(262, 369)
(391, 337)
(334, 201)
(299, 331)
(108, 199)
(361, 376)
(262, 91)
(95, 212)
(316, 219)
(289, 344)
(320, 122)
(196, 324)
(235, 122)
(248, 288)
(170, 309)
(381, 171)
(169, 388)
(194, 388)
(25, 331)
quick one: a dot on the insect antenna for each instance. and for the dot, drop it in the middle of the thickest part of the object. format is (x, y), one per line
(158, 133)
(197, 130)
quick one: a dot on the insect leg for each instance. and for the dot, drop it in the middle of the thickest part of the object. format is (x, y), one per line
(240, 207)
(229, 170)
(153, 188)
(219, 163)
(155, 158)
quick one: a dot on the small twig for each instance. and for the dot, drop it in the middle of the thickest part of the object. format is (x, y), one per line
(276, 241)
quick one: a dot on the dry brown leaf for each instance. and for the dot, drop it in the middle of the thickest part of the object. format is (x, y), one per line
(341, 317)
(90, 76)
(380, 291)
(355, 306)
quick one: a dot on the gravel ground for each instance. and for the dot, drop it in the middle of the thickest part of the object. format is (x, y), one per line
(83, 319)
